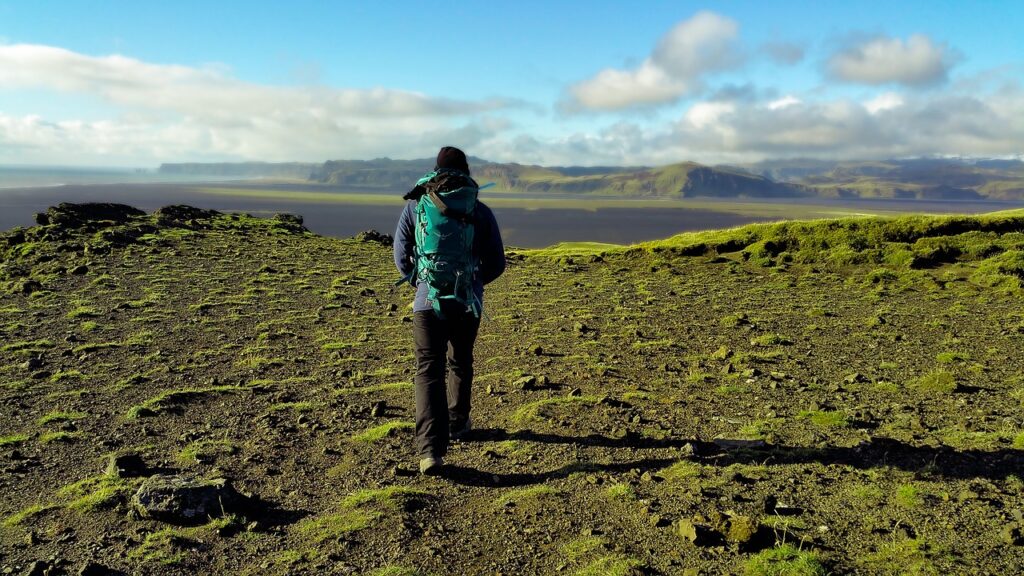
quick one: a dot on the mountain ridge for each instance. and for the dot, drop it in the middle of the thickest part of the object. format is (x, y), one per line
(900, 179)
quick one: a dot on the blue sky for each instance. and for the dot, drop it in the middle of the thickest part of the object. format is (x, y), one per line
(137, 83)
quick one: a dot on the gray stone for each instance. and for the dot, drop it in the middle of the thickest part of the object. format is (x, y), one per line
(186, 499)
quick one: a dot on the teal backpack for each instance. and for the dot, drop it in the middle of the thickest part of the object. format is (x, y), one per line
(444, 239)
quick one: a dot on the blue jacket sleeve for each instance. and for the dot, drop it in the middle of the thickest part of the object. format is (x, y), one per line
(491, 250)
(405, 240)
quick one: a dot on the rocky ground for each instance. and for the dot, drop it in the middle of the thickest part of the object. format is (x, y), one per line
(191, 392)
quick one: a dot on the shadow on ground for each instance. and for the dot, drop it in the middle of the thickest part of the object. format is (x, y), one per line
(942, 461)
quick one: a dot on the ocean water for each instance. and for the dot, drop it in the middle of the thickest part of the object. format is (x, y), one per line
(46, 176)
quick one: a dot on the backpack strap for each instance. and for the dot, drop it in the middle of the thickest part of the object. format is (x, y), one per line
(447, 212)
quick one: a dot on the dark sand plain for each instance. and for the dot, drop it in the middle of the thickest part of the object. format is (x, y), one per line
(527, 227)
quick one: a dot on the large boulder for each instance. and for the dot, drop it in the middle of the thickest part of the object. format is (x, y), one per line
(68, 216)
(375, 236)
(183, 216)
(187, 499)
(289, 222)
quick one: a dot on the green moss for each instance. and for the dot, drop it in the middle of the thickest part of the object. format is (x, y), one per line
(356, 512)
(935, 382)
(205, 450)
(952, 357)
(13, 439)
(171, 397)
(59, 416)
(541, 408)
(94, 493)
(95, 346)
(517, 496)
(824, 418)
(908, 496)
(621, 491)
(784, 560)
(582, 546)
(82, 312)
(29, 346)
(26, 513)
(333, 526)
(380, 432)
(769, 340)
(914, 556)
(294, 406)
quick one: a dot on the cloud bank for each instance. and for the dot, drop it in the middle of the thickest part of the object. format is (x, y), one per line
(682, 58)
(163, 112)
(916, 62)
(172, 111)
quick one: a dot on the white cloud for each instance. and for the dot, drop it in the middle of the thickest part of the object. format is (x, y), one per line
(693, 49)
(716, 131)
(788, 100)
(918, 61)
(883, 102)
(174, 112)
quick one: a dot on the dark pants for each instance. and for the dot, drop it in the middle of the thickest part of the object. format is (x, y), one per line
(444, 374)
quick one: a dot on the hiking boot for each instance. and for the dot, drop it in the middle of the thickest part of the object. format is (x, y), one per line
(460, 433)
(431, 466)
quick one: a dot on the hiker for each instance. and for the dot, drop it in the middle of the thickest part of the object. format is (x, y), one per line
(448, 246)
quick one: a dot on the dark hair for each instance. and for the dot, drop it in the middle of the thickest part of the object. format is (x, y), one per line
(452, 158)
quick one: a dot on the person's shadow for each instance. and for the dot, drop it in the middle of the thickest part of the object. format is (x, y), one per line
(941, 462)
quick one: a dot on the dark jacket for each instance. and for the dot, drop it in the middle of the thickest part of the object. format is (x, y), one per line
(487, 246)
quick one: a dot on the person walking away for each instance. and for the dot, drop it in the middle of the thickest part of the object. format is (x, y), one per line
(448, 245)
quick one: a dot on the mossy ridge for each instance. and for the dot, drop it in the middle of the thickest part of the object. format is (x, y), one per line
(357, 511)
(173, 397)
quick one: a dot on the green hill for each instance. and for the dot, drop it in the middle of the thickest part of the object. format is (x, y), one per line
(948, 179)
(833, 396)
(923, 179)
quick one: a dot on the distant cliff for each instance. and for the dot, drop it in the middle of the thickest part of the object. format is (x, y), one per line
(242, 169)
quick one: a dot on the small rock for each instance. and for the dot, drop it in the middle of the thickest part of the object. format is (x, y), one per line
(379, 408)
(855, 377)
(1011, 534)
(537, 351)
(126, 466)
(375, 237)
(31, 538)
(79, 270)
(657, 520)
(691, 532)
(29, 286)
(525, 383)
(38, 568)
(489, 389)
(741, 529)
(575, 392)
(94, 569)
